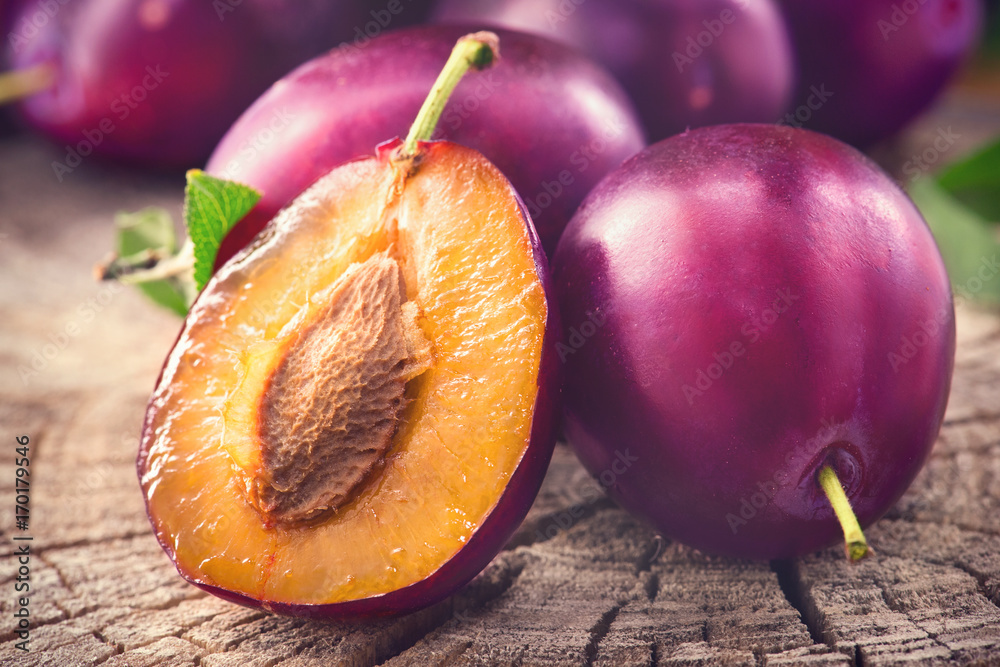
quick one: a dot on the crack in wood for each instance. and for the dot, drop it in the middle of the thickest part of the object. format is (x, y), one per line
(599, 632)
(118, 648)
(649, 555)
(790, 582)
(652, 587)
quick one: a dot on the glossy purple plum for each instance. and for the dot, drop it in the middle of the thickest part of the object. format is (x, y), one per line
(160, 81)
(550, 119)
(743, 304)
(869, 67)
(686, 63)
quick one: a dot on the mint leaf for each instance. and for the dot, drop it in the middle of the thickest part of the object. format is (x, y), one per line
(211, 207)
(975, 181)
(968, 243)
(148, 235)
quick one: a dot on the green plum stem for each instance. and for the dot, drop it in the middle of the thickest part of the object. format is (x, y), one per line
(854, 538)
(478, 51)
(20, 83)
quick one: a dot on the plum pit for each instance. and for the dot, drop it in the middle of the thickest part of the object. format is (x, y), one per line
(316, 409)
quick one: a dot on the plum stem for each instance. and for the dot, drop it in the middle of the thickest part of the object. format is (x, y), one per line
(854, 538)
(479, 51)
(150, 266)
(20, 83)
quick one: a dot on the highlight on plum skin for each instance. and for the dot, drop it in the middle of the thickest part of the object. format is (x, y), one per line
(553, 121)
(771, 304)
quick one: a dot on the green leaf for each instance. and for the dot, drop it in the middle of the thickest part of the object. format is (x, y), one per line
(968, 243)
(211, 207)
(151, 231)
(975, 181)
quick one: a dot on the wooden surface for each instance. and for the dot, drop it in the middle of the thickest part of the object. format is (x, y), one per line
(581, 583)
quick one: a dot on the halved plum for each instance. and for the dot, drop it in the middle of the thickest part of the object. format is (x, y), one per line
(361, 406)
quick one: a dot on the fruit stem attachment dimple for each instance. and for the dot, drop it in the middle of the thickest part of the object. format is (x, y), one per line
(854, 538)
(479, 51)
(20, 83)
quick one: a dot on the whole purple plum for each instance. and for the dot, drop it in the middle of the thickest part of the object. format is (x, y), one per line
(869, 67)
(686, 63)
(160, 81)
(550, 119)
(745, 304)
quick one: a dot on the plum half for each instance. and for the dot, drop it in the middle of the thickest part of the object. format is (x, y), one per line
(747, 305)
(361, 405)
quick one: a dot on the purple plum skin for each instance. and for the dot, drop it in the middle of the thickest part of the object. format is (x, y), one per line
(869, 67)
(742, 304)
(159, 82)
(741, 71)
(551, 120)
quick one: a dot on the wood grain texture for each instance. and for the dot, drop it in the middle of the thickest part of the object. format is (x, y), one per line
(581, 583)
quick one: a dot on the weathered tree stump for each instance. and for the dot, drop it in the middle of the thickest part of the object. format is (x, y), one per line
(580, 583)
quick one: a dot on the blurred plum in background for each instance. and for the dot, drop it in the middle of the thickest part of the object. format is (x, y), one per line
(158, 82)
(686, 63)
(869, 67)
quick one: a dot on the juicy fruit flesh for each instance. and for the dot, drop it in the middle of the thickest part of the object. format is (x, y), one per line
(466, 261)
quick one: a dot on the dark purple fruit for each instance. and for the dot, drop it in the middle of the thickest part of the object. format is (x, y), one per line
(745, 304)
